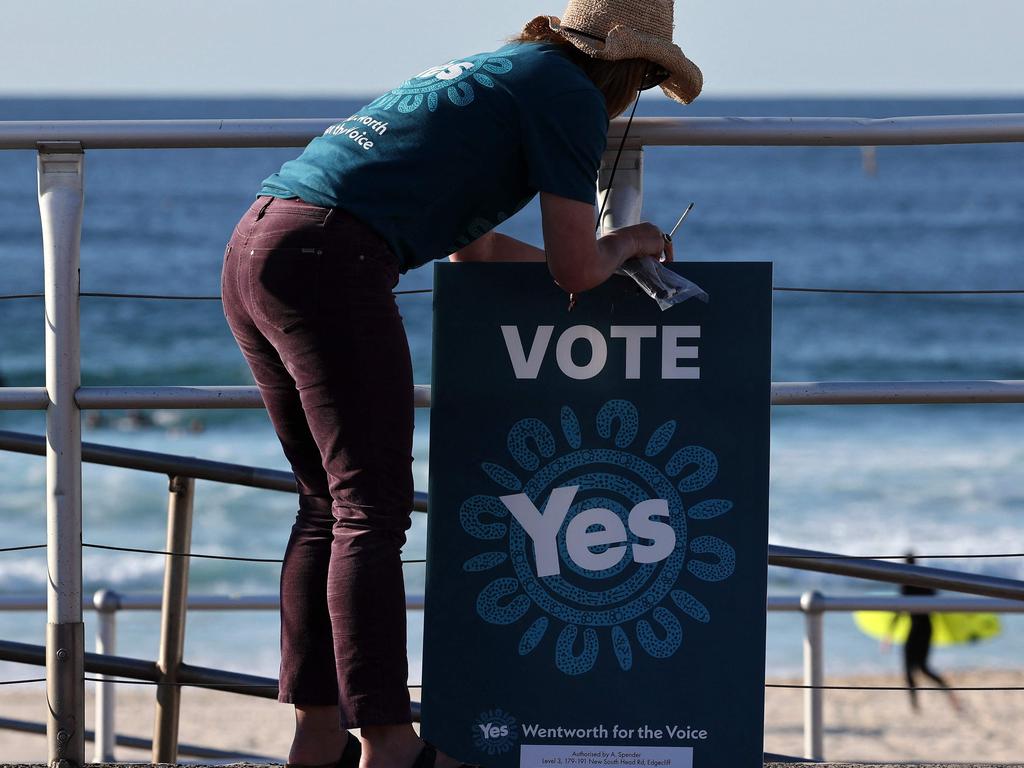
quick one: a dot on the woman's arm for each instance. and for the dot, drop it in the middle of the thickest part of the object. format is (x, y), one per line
(576, 260)
(497, 247)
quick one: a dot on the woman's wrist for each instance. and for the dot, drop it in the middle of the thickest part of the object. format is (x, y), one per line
(619, 246)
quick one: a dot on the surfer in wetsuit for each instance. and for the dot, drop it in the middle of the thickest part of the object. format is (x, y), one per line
(424, 172)
(918, 645)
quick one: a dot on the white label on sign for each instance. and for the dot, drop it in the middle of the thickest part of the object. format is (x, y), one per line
(544, 756)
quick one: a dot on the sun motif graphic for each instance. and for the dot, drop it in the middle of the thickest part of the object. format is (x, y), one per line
(630, 603)
(456, 81)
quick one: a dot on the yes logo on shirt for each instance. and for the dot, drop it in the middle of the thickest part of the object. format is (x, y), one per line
(455, 81)
(446, 72)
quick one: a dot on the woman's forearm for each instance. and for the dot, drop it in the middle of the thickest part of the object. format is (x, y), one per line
(497, 247)
(609, 254)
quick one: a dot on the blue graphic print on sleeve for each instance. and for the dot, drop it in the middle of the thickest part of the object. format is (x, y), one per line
(454, 151)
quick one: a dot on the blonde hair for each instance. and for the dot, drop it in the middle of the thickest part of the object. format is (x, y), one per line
(619, 81)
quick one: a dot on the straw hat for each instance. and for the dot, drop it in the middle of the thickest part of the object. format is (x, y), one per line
(628, 29)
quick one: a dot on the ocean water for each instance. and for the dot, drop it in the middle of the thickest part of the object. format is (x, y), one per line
(851, 479)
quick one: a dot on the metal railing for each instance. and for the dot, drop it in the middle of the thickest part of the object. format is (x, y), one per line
(170, 672)
(182, 472)
(108, 603)
(646, 131)
(61, 150)
(814, 605)
(961, 392)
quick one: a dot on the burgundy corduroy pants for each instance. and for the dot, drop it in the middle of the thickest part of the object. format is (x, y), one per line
(307, 294)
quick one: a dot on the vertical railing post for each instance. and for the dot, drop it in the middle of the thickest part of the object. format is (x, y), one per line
(625, 199)
(61, 168)
(813, 606)
(107, 603)
(172, 618)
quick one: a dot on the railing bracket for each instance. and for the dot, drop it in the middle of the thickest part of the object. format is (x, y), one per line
(60, 148)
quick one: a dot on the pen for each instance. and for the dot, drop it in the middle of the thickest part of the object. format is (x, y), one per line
(681, 220)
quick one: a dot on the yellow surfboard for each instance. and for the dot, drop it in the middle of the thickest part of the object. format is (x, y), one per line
(947, 628)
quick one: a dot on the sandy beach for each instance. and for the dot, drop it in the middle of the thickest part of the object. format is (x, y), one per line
(861, 726)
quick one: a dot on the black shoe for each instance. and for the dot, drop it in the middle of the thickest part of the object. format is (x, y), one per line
(428, 758)
(351, 754)
(349, 757)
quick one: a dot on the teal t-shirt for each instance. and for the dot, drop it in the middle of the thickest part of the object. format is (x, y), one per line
(450, 154)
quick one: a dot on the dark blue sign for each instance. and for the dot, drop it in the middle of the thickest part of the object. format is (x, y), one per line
(597, 536)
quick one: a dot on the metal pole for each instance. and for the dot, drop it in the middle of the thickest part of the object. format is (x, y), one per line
(100, 398)
(818, 131)
(23, 399)
(936, 392)
(896, 573)
(894, 392)
(170, 464)
(813, 606)
(172, 619)
(61, 168)
(662, 131)
(107, 602)
(625, 198)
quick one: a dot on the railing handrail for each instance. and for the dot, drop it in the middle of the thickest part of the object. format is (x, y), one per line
(171, 464)
(60, 146)
(935, 392)
(812, 604)
(646, 131)
(895, 573)
(109, 600)
(152, 601)
(821, 131)
(823, 562)
(899, 603)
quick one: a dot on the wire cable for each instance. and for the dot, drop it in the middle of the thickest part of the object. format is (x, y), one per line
(130, 681)
(20, 682)
(777, 288)
(21, 549)
(781, 686)
(903, 292)
(154, 296)
(161, 296)
(830, 556)
(615, 165)
(890, 687)
(182, 554)
(199, 555)
(823, 556)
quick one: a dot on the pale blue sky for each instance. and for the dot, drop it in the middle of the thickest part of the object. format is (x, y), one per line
(336, 47)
